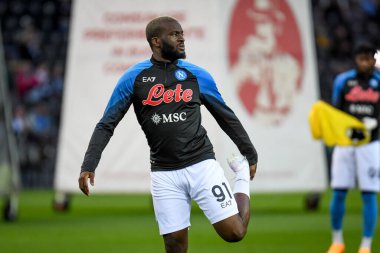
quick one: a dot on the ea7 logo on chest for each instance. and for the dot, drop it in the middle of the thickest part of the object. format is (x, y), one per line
(147, 79)
(157, 94)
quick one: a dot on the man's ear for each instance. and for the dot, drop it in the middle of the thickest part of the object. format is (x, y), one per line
(156, 42)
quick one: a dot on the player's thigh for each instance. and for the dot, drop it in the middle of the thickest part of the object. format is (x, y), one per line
(171, 202)
(343, 169)
(212, 191)
(368, 161)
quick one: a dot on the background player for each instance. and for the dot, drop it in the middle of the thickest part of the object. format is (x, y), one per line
(167, 93)
(357, 92)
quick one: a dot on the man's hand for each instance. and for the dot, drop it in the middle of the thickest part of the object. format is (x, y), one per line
(83, 181)
(252, 170)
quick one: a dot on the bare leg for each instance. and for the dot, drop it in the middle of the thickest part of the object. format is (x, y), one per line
(244, 207)
(176, 242)
(234, 228)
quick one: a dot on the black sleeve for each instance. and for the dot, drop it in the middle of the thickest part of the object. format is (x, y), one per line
(115, 111)
(231, 125)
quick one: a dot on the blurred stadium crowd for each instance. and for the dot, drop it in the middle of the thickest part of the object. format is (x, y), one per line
(339, 25)
(35, 35)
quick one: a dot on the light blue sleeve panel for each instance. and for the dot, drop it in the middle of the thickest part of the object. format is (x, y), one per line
(207, 85)
(338, 86)
(376, 74)
(124, 88)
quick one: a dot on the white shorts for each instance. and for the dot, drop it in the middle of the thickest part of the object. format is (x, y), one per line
(204, 182)
(361, 164)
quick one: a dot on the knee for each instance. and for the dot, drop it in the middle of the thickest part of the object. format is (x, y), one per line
(235, 235)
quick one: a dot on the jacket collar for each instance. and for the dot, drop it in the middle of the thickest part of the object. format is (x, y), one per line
(163, 65)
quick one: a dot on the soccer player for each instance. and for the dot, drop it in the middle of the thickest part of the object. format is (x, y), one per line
(167, 93)
(357, 92)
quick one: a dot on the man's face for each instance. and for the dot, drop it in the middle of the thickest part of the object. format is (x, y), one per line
(365, 63)
(173, 42)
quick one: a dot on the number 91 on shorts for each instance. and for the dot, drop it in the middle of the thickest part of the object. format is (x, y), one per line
(203, 182)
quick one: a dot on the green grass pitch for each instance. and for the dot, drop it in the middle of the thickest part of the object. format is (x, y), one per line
(125, 223)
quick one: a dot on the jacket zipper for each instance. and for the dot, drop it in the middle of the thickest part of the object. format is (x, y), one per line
(166, 79)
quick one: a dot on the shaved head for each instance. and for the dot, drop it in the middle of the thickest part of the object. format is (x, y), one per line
(156, 26)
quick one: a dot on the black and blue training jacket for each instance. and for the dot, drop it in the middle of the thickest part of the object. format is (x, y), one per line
(167, 99)
(358, 95)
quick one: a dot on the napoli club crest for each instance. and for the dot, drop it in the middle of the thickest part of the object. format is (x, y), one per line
(180, 74)
(265, 58)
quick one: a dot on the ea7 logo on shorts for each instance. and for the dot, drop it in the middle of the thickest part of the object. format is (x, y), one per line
(221, 196)
(180, 74)
(147, 79)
